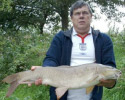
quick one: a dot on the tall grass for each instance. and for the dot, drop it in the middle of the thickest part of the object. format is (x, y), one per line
(117, 93)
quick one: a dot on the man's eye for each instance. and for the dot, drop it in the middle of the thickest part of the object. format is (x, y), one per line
(85, 13)
(78, 13)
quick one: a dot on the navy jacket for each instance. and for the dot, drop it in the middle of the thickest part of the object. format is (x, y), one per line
(59, 53)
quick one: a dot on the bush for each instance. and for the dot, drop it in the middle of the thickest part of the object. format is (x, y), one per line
(20, 51)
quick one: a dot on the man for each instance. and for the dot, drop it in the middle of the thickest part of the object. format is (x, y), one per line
(80, 45)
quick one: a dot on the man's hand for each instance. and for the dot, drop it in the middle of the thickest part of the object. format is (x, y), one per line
(107, 83)
(37, 82)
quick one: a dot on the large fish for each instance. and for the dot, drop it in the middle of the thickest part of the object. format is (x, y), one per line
(64, 77)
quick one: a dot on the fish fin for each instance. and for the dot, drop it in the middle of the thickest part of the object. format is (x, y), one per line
(60, 92)
(13, 80)
(12, 87)
(89, 89)
(92, 79)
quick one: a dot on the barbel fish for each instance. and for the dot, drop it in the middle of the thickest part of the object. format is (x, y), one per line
(64, 77)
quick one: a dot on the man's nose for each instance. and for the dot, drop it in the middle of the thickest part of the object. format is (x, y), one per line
(81, 15)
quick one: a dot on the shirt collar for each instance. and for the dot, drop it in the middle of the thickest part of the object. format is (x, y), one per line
(75, 33)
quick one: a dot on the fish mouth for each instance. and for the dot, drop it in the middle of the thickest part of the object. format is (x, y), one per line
(118, 75)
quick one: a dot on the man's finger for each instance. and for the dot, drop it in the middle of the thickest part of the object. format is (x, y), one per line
(36, 82)
(40, 81)
(29, 84)
(33, 68)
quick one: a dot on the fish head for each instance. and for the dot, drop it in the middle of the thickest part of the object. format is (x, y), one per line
(111, 73)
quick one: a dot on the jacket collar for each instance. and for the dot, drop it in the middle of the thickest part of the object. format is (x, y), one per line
(95, 34)
(68, 33)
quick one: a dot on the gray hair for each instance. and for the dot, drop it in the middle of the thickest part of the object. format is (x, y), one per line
(79, 4)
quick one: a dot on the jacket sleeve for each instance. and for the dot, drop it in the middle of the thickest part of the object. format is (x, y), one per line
(53, 54)
(108, 53)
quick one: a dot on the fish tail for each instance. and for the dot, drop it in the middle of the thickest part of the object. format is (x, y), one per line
(13, 81)
(12, 87)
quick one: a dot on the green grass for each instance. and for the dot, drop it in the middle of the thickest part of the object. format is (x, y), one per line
(118, 92)
(23, 92)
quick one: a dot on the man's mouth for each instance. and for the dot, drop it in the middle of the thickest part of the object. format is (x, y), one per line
(81, 22)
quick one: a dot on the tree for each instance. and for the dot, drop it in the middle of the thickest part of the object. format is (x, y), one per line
(25, 13)
(62, 8)
(22, 13)
(5, 5)
(109, 8)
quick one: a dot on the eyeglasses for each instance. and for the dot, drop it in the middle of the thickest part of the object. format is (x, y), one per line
(79, 13)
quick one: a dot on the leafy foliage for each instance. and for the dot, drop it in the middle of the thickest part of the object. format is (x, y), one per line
(5, 5)
(108, 8)
(17, 14)
(19, 52)
(25, 13)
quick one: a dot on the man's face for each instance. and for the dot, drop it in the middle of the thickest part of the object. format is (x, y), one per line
(81, 18)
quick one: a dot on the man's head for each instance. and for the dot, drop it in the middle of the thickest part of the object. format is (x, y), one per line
(81, 16)
(79, 4)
